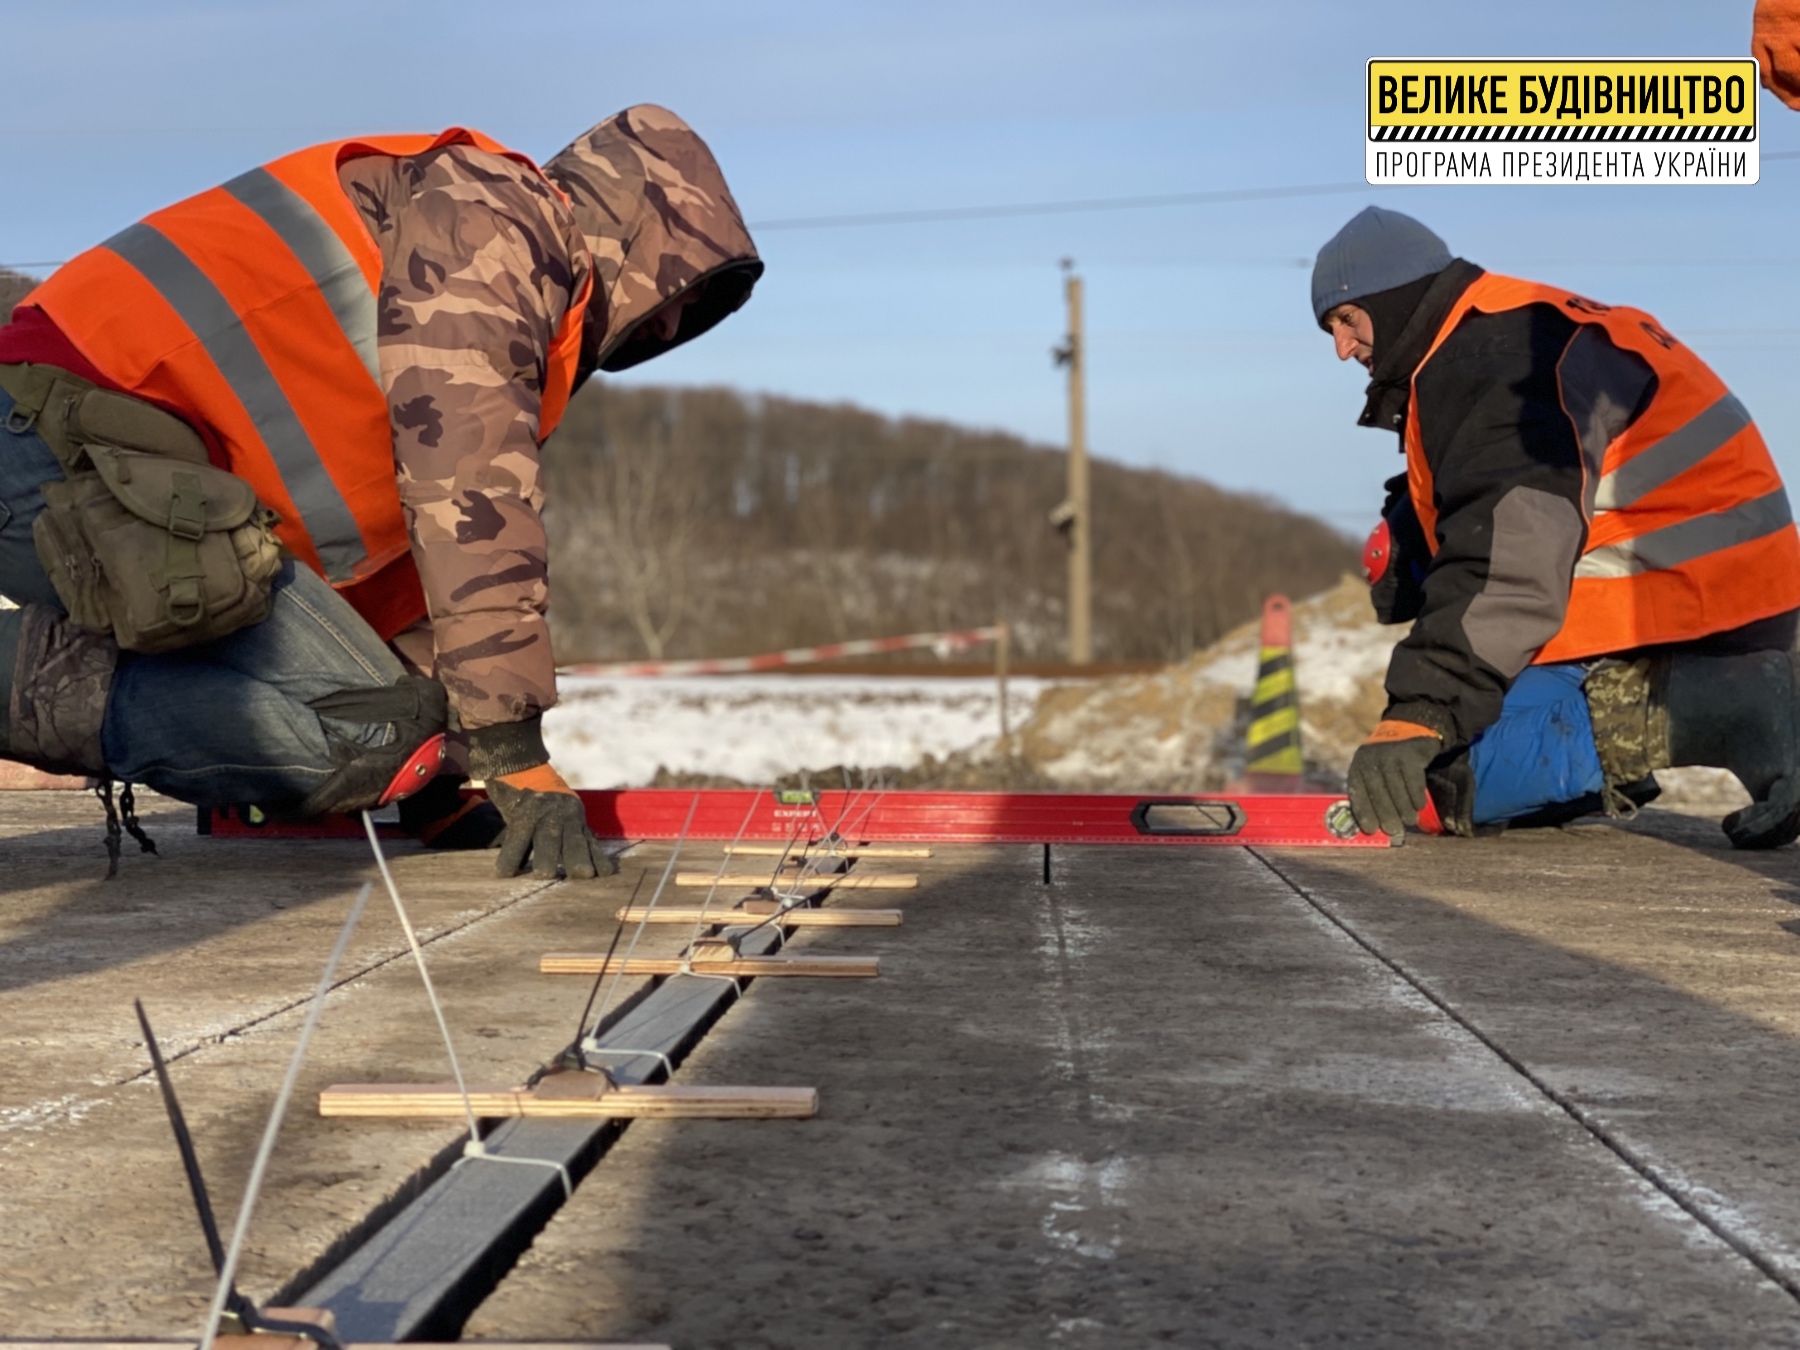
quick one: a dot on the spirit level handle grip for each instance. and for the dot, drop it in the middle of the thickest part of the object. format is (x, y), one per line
(1187, 816)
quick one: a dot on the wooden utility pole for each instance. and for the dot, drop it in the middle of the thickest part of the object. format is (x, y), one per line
(1073, 515)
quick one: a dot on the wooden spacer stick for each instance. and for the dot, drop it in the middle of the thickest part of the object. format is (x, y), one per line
(799, 917)
(853, 881)
(845, 967)
(441, 1101)
(820, 851)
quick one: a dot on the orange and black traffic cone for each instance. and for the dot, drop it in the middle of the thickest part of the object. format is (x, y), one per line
(1272, 748)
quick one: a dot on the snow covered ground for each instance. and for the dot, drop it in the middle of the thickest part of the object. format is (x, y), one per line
(617, 732)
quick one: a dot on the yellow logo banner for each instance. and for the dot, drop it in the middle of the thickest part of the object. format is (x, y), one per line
(1625, 120)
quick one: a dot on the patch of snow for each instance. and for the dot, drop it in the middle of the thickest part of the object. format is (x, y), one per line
(1708, 791)
(617, 732)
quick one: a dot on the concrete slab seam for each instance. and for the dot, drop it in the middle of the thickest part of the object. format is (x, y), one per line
(1767, 1266)
(352, 977)
(72, 1105)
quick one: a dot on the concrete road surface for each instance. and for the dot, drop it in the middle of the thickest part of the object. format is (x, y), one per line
(1532, 1090)
(1463, 1093)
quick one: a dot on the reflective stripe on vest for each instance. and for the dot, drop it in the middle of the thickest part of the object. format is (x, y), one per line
(203, 309)
(1674, 454)
(322, 253)
(1683, 542)
(1690, 531)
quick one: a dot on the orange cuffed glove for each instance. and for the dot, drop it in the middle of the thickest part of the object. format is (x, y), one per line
(546, 824)
(1387, 776)
(543, 778)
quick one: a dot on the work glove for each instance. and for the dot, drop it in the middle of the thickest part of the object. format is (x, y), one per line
(547, 824)
(1387, 776)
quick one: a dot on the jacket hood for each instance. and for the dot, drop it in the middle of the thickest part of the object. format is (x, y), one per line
(661, 224)
(1396, 360)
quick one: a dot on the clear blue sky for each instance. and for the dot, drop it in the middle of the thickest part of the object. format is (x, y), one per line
(1202, 350)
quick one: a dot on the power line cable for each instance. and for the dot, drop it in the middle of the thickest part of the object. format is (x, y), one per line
(949, 213)
(953, 213)
(937, 215)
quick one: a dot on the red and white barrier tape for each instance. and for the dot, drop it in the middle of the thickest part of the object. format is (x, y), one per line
(795, 656)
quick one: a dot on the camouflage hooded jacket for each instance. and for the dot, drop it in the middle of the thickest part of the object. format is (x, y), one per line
(482, 259)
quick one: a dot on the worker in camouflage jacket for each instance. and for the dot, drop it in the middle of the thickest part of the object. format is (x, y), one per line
(489, 290)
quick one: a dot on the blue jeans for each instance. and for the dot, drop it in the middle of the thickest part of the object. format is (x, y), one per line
(1541, 752)
(226, 722)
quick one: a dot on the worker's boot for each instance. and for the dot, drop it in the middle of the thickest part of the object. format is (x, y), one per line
(442, 815)
(54, 680)
(1740, 713)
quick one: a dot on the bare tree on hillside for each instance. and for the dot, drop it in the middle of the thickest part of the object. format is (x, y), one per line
(650, 529)
(1179, 581)
(706, 522)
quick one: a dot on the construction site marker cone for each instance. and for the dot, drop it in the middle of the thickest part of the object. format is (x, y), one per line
(1272, 760)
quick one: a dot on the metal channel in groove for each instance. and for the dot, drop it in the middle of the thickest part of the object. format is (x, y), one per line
(431, 1264)
(1595, 1128)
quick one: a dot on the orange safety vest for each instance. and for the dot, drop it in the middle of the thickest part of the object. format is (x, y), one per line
(1689, 528)
(250, 311)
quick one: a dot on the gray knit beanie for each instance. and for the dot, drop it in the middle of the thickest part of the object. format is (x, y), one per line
(1377, 251)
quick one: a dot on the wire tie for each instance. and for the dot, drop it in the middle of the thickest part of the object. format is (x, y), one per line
(667, 1063)
(476, 1151)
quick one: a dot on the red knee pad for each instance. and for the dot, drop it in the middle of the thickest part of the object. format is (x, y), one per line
(1429, 820)
(420, 768)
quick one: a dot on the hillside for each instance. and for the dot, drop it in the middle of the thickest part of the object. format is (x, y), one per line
(705, 521)
(14, 287)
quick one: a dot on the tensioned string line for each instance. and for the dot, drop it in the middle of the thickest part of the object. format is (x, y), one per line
(259, 1169)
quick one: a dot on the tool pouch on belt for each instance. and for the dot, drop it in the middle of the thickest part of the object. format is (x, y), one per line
(144, 538)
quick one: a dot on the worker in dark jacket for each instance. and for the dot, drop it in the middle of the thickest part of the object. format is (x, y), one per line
(1591, 542)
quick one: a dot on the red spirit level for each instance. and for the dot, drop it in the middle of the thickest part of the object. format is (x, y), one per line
(870, 816)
